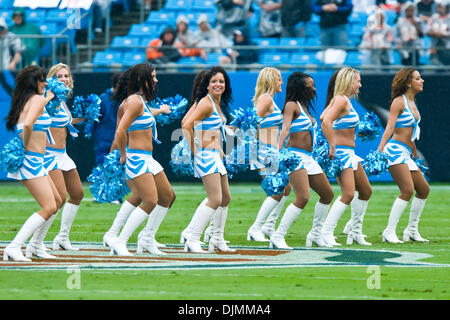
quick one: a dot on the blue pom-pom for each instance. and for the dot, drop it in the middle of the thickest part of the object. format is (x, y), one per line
(12, 155)
(369, 127)
(77, 108)
(421, 164)
(89, 109)
(375, 163)
(245, 118)
(274, 184)
(60, 91)
(181, 160)
(108, 179)
(177, 106)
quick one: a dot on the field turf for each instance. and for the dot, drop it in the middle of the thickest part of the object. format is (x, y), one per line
(294, 283)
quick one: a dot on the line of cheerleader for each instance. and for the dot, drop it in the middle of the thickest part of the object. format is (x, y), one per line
(288, 148)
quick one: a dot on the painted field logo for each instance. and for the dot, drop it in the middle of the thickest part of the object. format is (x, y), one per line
(94, 256)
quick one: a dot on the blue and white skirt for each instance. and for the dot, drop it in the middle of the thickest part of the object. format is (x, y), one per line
(140, 162)
(399, 153)
(32, 167)
(307, 162)
(208, 161)
(346, 155)
(58, 159)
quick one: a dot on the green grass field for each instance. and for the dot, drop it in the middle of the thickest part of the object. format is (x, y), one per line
(324, 282)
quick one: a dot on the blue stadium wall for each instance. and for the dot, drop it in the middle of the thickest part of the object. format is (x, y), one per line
(433, 103)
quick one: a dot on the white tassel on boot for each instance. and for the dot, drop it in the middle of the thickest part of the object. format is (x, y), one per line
(277, 240)
(199, 221)
(217, 240)
(412, 230)
(13, 250)
(396, 212)
(359, 208)
(62, 238)
(147, 236)
(315, 235)
(187, 231)
(36, 244)
(255, 233)
(336, 211)
(119, 244)
(269, 226)
(120, 220)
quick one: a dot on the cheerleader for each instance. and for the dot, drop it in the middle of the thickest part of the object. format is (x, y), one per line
(196, 95)
(398, 141)
(62, 170)
(32, 122)
(204, 132)
(298, 124)
(339, 121)
(267, 85)
(145, 176)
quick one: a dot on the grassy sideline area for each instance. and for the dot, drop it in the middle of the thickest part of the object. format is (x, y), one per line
(342, 282)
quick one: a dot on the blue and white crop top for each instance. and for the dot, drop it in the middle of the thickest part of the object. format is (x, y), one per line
(348, 121)
(64, 119)
(275, 119)
(213, 122)
(42, 123)
(408, 119)
(302, 123)
(145, 121)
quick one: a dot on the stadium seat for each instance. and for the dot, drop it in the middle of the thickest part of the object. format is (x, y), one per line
(141, 30)
(396, 59)
(353, 58)
(191, 60)
(265, 43)
(312, 30)
(305, 58)
(291, 42)
(36, 16)
(131, 58)
(274, 58)
(6, 4)
(312, 42)
(213, 58)
(356, 30)
(178, 5)
(204, 5)
(7, 15)
(49, 28)
(106, 58)
(59, 16)
(358, 18)
(391, 15)
(125, 43)
(161, 17)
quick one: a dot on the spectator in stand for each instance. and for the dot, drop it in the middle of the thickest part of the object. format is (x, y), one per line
(100, 10)
(333, 21)
(292, 13)
(438, 29)
(105, 129)
(209, 39)
(270, 18)
(166, 49)
(425, 9)
(185, 36)
(408, 31)
(232, 14)
(240, 56)
(32, 45)
(378, 38)
(12, 48)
